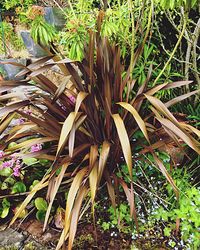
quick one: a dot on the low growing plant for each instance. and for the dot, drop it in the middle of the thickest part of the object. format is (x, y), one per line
(41, 32)
(187, 210)
(10, 38)
(118, 218)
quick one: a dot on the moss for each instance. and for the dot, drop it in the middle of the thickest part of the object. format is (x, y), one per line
(9, 248)
(29, 246)
(83, 240)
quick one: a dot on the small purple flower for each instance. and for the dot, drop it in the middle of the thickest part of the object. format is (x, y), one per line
(72, 98)
(36, 148)
(1, 154)
(19, 121)
(16, 170)
(17, 162)
(7, 164)
(28, 112)
(13, 156)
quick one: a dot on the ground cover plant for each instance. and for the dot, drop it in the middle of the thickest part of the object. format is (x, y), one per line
(156, 208)
(103, 126)
(9, 39)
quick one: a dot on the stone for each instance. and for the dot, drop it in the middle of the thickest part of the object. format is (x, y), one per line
(10, 237)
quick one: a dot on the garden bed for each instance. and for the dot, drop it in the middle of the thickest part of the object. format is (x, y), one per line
(99, 125)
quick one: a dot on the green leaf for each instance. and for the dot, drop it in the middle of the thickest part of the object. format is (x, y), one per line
(5, 212)
(40, 215)
(6, 172)
(12, 144)
(40, 204)
(35, 182)
(172, 244)
(30, 161)
(4, 186)
(167, 231)
(43, 162)
(10, 181)
(105, 226)
(5, 203)
(18, 187)
(164, 216)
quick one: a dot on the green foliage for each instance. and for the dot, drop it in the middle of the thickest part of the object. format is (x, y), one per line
(4, 208)
(11, 4)
(30, 161)
(74, 38)
(35, 182)
(172, 4)
(11, 145)
(145, 165)
(116, 26)
(13, 169)
(119, 218)
(42, 32)
(193, 113)
(40, 215)
(19, 187)
(187, 210)
(12, 40)
(82, 240)
(188, 213)
(41, 206)
(6, 172)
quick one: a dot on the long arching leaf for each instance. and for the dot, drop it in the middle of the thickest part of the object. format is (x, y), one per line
(124, 140)
(137, 117)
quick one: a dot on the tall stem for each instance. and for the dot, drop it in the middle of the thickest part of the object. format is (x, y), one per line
(3, 35)
(72, 9)
(174, 50)
(131, 8)
(148, 24)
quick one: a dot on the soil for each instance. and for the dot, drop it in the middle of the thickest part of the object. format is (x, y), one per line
(30, 236)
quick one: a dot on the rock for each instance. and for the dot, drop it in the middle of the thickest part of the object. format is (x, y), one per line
(33, 48)
(10, 237)
(14, 240)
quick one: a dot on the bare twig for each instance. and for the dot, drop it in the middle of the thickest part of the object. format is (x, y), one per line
(163, 46)
(196, 37)
(174, 50)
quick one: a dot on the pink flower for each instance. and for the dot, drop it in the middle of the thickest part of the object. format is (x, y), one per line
(19, 121)
(28, 112)
(13, 156)
(16, 170)
(36, 148)
(72, 98)
(7, 164)
(2, 154)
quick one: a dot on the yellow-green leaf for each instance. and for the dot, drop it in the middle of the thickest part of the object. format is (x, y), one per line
(124, 140)
(66, 128)
(137, 117)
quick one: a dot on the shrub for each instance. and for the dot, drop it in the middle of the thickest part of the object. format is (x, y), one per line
(90, 126)
(9, 38)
